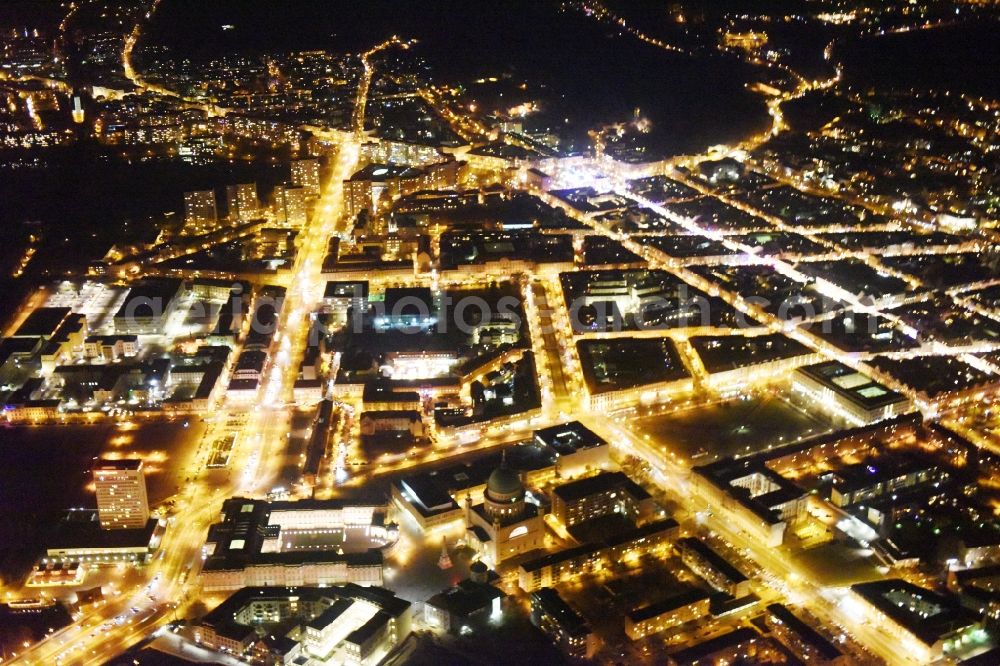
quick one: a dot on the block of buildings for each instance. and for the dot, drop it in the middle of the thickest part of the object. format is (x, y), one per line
(366, 188)
(849, 393)
(560, 622)
(729, 648)
(577, 448)
(667, 614)
(148, 306)
(553, 568)
(258, 542)
(343, 624)
(712, 567)
(928, 624)
(600, 495)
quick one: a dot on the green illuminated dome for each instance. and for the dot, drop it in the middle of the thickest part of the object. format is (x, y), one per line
(503, 482)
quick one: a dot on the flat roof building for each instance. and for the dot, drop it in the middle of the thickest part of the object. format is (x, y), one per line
(561, 623)
(463, 605)
(406, 306)
(42, 323)
(148, 306)
(712, 567)
(847, 392)
(344, 296)
(807, 643)
(600, 495)
(80, 538)
(291, 205)
(120, 486)
(305, 174)
(242, 201)
(577, 448)
(258, 542)
(667, 614)
(930, 624)
(295, 625)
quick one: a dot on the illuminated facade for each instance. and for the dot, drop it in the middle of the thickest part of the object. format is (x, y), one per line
(666, 614)
(849, 393)
(120, 486)
(554, 568)
(291, 205)
(199, 208)
(366, 188)
(345, 624)
(305, 174)
(600, 495)
(551, 614)
(242, 201)
(504, 525)
(296, 543)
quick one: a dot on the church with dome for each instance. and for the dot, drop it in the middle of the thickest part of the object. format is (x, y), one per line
(504, 525)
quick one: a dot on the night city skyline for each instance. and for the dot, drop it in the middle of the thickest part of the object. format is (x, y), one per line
(534, 332)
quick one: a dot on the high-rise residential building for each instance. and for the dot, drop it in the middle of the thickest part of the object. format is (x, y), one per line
(366, 189)
(199, 207)
(242, 201)
(121, 494)
(290, 205)
(305, 173)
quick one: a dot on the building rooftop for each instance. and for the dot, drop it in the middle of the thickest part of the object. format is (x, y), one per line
(567, 438)
(657, 608)
(717, 562)
(722, 353)
(886, 468)
(696, 653)
(926, 614)
(82, 529)
(382, 391)
(110, 465)
(360, 635)
(383, 172)
(806, 634)
(346, 289)
(466, 598)
(246, 524)
(337, 599)
(403, 300)
(504, 480)
(561, 612)
(338, 608)
(592, 485)
(42, 323)
(851, 384)
(430, 492)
